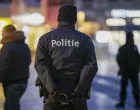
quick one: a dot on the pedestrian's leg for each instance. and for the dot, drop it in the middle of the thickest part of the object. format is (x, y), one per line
(11, 102)
(5, 94)
(135, 84)
(14, 93)
(124, 84)
(123, 92)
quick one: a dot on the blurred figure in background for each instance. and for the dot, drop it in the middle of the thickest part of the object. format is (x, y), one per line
(128, 59)
(14, 66)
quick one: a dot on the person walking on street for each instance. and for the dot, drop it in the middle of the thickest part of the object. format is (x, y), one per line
(128, 59)
(14, 66)
(66, 63)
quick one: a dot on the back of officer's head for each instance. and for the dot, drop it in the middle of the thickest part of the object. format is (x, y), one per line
(8, 29)
(68, 13)
(129, 38)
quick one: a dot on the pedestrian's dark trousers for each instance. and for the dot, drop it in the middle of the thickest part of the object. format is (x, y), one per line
(135, 84)
(13, 94)
(50, 104)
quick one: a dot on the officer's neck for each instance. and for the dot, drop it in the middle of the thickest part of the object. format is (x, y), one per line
(66, 24)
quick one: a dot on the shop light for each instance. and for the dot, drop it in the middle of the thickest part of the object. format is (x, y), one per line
(122, 13)
(102, 36)
(116, 22)
(81, 16)
(118, 13)
(2, 24)
(26, 29)
(4, 21)
(132, 13)
(34, 19)
(136, 21)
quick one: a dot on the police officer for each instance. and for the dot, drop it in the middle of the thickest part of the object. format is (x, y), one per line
(128, 59)
(66, 63)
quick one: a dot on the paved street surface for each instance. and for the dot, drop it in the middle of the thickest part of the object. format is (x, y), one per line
(104, 94)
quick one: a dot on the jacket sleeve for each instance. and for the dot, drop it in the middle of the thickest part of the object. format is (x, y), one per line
(138, 55)
(89, 71)
(4, 61)
(29, 55)
(120, 58)
(42, 63)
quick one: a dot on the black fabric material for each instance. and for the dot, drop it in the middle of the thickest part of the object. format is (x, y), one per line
(13, 93)
(135, 84)
(128, 59)
(65, 68)
(14, 62)
(68, 13)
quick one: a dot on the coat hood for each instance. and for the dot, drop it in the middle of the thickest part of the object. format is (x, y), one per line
(12, 37)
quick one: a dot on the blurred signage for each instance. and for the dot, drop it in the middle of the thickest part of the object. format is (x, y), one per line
(122, 13)
(116, 22)
(34, 19)
(136, 21)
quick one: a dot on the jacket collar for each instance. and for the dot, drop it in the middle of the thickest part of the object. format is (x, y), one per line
(65, 24)
(13, 37)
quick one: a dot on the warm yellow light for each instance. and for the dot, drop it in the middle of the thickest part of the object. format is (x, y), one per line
(81, 16)
(81, 29)
(3, 22)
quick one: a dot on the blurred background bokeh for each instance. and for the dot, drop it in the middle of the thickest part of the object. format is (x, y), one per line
(105, 21)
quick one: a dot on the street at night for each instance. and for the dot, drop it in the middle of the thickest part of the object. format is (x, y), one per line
(65, 43)
(104, 93)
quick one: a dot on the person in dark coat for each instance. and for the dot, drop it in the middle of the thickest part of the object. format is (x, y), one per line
(128, 59)
(66, 62)
(14, 66)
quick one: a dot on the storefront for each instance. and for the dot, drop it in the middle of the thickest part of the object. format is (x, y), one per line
(33, 25)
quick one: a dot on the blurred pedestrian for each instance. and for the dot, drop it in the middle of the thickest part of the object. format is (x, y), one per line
(14, 66)
(66, 63)
(128, 59)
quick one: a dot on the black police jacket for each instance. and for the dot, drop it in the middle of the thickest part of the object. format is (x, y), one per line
(66, 60)
(128, 59)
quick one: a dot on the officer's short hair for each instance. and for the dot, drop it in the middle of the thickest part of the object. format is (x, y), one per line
(9, 28)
